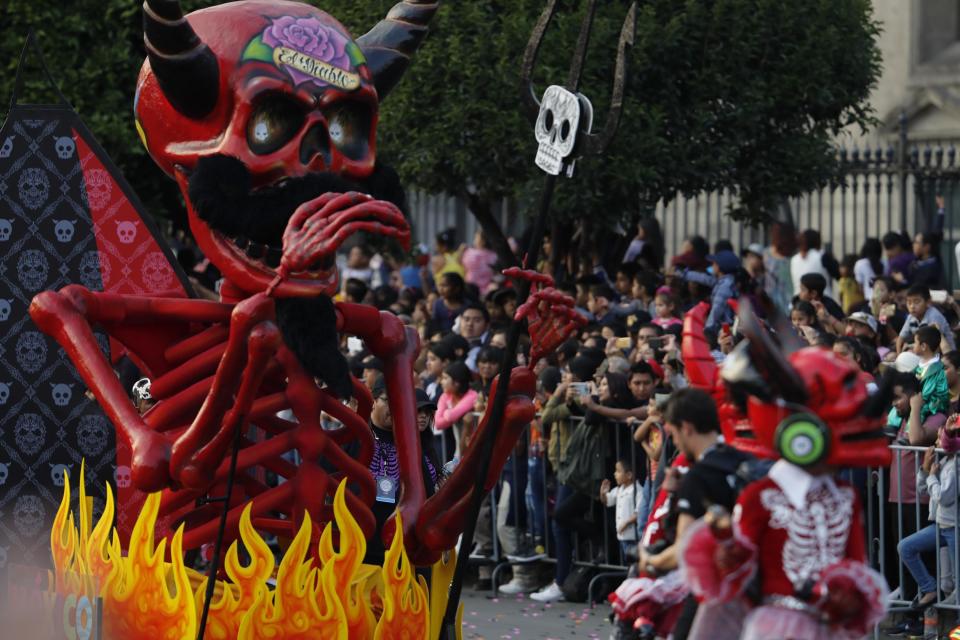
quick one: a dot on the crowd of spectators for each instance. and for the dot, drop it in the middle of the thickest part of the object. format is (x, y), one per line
(612, 470)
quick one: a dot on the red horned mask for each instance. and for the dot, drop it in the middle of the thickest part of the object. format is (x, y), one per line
(285, 90)
(808, 407)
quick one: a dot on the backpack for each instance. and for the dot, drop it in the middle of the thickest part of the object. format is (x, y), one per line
(743, 473)
(576, 586)
(583, 466)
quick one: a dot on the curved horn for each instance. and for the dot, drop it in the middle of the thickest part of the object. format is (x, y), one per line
(185, 67)
(389, 46)
(767, 358)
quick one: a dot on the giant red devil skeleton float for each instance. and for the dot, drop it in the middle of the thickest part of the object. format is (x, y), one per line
(265, 113)
(797, 531)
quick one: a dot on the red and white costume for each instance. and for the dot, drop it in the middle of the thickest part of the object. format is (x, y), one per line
(796, 535)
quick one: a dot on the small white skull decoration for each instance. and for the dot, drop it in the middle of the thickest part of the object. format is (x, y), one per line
(99, 188)
(157, 273)
(61, 393)
(126, 231)
(29, 433)
(6, 229)
(557, 127)
(4, 472)
(92, 435)
(7, 147)
(58, 473)
(64, 230)
(28, 515)
(65, 146)
(34, 187)
(5, 309)
(94, 270)
(5, 392)
(122, 476)
(31, 351)
(32, 269)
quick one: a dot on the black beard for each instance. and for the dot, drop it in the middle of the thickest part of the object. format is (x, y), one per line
(309, 328)
(221, 194)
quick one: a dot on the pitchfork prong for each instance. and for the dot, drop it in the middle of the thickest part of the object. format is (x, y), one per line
(529, 99)
(593, 145)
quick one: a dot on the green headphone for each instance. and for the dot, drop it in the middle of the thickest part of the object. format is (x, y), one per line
(802, 439)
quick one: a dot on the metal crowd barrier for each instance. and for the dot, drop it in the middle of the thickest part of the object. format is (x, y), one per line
(888, 520)
(605, 558)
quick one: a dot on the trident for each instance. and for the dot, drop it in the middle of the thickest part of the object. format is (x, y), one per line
(577, 113)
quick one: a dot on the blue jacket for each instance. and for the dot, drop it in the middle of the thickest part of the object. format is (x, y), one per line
(720, 312)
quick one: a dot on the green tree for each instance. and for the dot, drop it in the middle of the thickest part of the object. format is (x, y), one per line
(745, 94)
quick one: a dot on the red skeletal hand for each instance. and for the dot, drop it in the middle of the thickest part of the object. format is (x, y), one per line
(318, 227)
(550, 314)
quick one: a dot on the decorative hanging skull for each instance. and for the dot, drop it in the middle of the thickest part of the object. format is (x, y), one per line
(562, 115)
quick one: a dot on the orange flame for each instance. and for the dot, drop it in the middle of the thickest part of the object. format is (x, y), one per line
(147, 598)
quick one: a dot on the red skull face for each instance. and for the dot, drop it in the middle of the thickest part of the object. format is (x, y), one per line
(837, 394)
(280, 86)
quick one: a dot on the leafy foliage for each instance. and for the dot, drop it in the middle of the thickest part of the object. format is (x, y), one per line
(746, 94)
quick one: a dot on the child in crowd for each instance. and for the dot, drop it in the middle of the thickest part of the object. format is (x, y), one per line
(923, 313)
(450, 302)
(478, 262)
(666, 308)
(849, 289)
(932, 376)
(457, 401)
(447, 258)
(626, 498)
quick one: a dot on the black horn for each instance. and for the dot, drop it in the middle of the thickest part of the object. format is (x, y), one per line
(184, 66)
(768, 358)
(389, 46)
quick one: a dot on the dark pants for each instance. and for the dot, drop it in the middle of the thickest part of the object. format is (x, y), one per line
(568, 518)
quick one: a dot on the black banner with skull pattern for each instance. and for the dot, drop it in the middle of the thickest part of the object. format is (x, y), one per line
(67, 216)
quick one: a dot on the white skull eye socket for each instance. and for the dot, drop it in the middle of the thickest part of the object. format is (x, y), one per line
(348, 125)
(548, 121)
(565, 130)
(276, 120)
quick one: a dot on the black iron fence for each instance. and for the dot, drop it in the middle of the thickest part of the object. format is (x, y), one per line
(882, 188)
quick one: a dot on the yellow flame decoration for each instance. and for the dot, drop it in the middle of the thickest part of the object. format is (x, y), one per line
(146, 598)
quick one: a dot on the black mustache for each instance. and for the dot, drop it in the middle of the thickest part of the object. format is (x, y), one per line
(221, 193)
(309, 328)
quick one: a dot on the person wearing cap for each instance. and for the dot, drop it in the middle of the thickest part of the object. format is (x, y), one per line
(385, 468)
(372, 369)
(725, 267)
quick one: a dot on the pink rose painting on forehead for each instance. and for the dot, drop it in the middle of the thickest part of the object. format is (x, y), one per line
(308, 51)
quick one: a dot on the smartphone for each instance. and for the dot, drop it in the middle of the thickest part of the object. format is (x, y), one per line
(655, 343)
(938, 296)
(661, 399)
(580, 388)
(624, 343)
(725, 327)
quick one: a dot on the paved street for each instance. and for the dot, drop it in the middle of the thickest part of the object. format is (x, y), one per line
(487, 618)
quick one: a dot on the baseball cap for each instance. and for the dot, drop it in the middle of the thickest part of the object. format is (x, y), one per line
(864, 318)
(726, 260)
(907, 362)
(754, 247)
(379, 388)
(424, 401)
(372, 362)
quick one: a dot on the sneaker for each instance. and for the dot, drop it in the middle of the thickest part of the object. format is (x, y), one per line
(905, 628)
(550, 593)
(479, 553)
(514, 587)
(527, 553)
